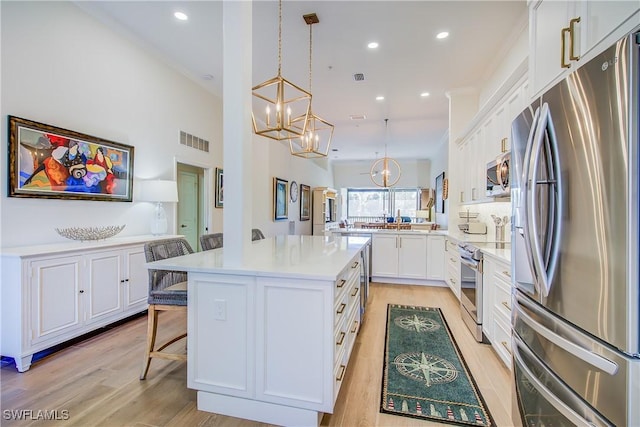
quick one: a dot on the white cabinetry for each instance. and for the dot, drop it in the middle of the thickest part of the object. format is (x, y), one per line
(452, 268)
(564, 34)
(53, 293)
(287, 339)
(497, 306)
(324, 211)
(435, 257)
(399, 255)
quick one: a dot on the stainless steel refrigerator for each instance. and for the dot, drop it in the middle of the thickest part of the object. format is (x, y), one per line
(574, 171)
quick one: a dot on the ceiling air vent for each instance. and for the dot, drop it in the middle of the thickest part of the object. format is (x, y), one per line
(358, 77)
(357, 117)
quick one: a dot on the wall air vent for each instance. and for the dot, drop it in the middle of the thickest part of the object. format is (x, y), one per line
(357, 117)
(358, 77)
(194, 142)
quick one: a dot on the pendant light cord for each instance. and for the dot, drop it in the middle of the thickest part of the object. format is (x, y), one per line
(310, 52)
(279, 37)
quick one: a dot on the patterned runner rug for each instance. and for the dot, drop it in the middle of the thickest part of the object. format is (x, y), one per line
(424, 374)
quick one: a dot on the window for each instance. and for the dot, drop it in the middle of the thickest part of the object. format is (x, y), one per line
(365, 204)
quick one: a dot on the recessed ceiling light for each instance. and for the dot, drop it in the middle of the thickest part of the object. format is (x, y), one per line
(442, 35)
(379, 98)
(181, 16)
(373, 45)
(424, 94)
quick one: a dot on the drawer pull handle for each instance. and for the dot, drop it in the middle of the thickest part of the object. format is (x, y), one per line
(341, 284)
(506, 273)
(341, 308)
(355, 292)
(506, 347)
(341, 374)
(341, 339)
(355, 264)
(453, 260)
(453, 280)
(355, 327)
(506, 305)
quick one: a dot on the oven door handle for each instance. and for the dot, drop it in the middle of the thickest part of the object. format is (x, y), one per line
(471, 265)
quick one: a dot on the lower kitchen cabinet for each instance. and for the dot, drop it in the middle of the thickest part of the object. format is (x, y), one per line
(435, 257)
(53, 293)
(497, 306)
(399, 255)
(452, 266)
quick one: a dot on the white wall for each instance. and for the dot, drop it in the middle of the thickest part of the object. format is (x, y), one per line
(513, 54)
(62, 67)
(439, 164)
(355, 174)
(272, 159)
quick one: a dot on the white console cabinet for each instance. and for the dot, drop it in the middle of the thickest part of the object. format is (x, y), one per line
(53, 293)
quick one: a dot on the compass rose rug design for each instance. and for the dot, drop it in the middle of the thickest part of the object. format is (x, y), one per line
(424, 373)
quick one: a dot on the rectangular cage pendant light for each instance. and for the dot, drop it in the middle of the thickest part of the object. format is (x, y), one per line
(277, 102)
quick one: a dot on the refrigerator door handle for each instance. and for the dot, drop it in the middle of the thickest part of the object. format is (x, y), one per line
(548, 395)
(525, 188)
(545, 273)
(595, 360)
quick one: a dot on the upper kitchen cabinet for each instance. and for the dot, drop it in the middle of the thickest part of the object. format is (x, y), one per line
(564, 34)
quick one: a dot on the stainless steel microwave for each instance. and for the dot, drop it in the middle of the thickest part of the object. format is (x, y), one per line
(498, 176)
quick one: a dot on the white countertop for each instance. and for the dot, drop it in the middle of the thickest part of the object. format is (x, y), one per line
(492, 250)
(69, 245)
(306, 257)
(384, 231)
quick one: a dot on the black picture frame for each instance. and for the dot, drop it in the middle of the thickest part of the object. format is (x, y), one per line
(439, 202)
(305, 202)
(280, 199)
(50, 162)
(219, 203)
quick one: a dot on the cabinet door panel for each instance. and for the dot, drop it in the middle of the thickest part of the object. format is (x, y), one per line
(385, 255)
(603, 17)
(548, 20)
(435, 257)
(412, 258)
(105, 286)
(55, 298)
(137, 289)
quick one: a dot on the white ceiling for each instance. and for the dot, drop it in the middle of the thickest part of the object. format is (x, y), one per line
(409, 61)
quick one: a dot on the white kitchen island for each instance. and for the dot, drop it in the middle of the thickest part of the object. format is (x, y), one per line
(270, 339)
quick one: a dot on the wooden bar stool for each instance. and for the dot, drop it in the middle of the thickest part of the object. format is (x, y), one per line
(167, 292)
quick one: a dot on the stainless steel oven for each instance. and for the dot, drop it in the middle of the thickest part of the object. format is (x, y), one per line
(471, 288)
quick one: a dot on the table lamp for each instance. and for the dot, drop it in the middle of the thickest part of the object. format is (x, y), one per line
(424, 214)
(159, 191)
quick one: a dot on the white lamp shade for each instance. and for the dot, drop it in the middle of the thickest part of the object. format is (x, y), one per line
(422, 213)
(159, 191)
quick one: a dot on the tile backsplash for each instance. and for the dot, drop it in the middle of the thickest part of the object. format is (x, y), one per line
(485, 210)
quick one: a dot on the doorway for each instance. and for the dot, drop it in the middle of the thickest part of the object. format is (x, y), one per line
(191, 214)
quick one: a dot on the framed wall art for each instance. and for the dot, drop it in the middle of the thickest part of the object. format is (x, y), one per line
(280, 199)
(439, 193)
(54, 163)
(305, 202)
(219, 188)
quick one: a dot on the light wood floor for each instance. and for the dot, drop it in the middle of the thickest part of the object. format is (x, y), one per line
(96, 380)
